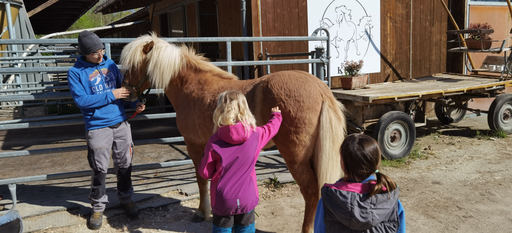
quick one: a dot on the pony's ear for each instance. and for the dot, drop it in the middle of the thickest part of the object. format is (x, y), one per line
(148, 47)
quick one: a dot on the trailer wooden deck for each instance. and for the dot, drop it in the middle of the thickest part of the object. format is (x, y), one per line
(429, 87)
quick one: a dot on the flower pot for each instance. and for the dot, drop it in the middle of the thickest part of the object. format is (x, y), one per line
(478, 44)
(349, 83)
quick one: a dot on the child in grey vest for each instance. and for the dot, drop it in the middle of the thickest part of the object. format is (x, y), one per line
(364, 200)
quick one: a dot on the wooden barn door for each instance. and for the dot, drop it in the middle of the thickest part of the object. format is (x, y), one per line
(280, 18)
(208, 27)
(413, 40)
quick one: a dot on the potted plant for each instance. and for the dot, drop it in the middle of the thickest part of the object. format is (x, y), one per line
(479, 39)
(353, 79)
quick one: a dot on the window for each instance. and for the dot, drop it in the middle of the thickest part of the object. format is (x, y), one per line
(177, 23)
(164, 25)
(172, 23)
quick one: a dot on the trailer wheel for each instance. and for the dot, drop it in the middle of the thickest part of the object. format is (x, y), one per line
(448, 114)
(395, 133)
(500, 114)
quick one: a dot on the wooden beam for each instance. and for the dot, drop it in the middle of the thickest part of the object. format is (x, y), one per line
(460, 35)
(41, 7)
(509, 7)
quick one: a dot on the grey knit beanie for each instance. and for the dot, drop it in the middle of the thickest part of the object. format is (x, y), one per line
(88, 43)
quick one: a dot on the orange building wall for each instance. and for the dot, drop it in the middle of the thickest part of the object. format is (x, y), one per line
(499, 18)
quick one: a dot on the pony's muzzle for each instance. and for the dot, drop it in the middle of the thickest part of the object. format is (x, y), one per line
(133, 93)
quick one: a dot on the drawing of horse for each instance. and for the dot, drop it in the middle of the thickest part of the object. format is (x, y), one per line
(313, 125)
(349, 35)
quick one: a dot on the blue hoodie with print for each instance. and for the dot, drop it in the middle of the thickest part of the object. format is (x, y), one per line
(91, 87)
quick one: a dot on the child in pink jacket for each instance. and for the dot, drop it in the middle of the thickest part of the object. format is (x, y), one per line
(230, 158)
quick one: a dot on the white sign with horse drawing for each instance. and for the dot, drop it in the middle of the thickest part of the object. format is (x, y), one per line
(354, 30)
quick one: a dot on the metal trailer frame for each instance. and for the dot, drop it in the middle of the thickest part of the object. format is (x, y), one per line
(46, 93)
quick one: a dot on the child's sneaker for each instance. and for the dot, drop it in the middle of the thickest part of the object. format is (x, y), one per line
(131, 209)
(95, 221)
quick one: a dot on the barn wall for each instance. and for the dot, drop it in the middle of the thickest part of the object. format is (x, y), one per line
(395, 41)
(430, 22)
(410, 47)
(403, 57)
(192, 25)
(411, 52)
(192, 20)
(280, 18)
(230, 24)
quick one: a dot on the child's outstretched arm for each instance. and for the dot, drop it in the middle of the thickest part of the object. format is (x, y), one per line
(269, 130)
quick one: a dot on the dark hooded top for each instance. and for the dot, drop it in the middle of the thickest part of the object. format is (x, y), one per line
(349, 208)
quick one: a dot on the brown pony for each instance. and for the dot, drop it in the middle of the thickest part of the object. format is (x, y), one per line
(313, 125)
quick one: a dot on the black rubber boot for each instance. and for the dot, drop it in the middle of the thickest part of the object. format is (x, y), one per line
(95, 220)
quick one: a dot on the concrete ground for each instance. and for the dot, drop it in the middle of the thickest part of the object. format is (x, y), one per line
(63, 202)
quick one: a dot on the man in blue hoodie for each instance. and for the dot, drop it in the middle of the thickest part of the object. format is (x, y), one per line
(95, 84)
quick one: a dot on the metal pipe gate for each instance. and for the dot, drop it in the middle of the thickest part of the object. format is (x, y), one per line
(46, 90)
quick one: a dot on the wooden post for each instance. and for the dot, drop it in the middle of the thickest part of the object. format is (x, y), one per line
(460, 35)
(509, 7)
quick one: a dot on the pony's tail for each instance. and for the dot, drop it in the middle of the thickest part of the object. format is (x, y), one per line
(332, 131)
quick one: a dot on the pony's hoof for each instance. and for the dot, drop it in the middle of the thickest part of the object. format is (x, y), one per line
(197, 218)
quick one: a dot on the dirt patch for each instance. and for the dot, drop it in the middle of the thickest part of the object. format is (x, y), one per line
(460, 184)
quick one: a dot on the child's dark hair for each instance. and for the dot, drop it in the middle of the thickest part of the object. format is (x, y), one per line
(360, 155)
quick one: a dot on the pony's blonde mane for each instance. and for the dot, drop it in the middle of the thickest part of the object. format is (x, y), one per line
(166, 60)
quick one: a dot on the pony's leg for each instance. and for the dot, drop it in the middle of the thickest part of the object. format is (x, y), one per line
(204, 210)
(306, 178)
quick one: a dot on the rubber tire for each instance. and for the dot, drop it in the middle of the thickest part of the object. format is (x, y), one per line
(500, 114)
(392, 123)
(443, 118)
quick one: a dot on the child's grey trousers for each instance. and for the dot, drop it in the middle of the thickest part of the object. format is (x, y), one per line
(101, 143)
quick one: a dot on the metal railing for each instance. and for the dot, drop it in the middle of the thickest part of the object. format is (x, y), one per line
(46, 93)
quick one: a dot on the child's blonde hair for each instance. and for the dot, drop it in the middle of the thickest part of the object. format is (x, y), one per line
(232, 108)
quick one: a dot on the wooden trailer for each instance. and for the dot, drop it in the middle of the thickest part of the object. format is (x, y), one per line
(392, 110)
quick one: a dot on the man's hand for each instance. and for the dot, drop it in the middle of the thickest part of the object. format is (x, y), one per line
(121, 93)
(140, 107)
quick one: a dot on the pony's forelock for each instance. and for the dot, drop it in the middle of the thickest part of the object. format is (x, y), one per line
(132, 55)
(165, 62)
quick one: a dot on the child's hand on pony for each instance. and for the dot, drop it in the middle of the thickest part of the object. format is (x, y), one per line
(275, 109)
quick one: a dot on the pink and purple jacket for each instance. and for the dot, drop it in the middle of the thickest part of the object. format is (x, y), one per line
(230, 160)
